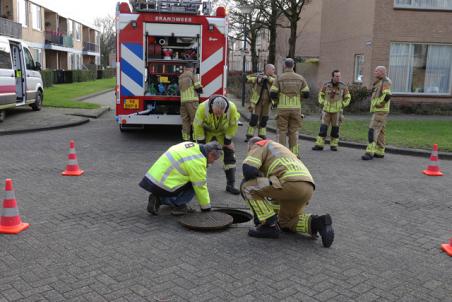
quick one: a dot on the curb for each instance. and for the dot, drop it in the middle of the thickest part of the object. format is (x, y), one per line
(348, 144)
(66, 125)
(99, 112)
(85, 97)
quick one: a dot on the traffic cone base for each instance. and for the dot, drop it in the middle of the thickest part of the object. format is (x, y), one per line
(429, 172)
(447, 247)
(15, 229)
(77, 172)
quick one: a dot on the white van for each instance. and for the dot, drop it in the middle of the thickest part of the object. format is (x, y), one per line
(20, 79)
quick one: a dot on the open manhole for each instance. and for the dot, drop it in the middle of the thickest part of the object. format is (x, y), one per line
(238, 216)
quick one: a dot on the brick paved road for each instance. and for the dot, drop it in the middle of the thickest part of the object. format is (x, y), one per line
(91, 239)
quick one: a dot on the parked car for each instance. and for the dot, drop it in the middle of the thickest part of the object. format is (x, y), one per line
(20, 79)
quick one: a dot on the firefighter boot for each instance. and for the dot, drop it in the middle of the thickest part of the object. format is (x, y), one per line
(320, 141)
(323, 225)
(230, 178)
(153, 204)
(269, 229)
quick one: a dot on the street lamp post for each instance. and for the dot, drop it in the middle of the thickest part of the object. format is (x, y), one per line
(245, 10)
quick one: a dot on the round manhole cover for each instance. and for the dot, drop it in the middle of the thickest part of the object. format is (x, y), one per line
(208, 221)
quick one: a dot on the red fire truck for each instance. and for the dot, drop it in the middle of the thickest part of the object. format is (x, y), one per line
(155, 39)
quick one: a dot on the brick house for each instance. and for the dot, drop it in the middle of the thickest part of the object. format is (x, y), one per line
(412, 38)
(56, 41)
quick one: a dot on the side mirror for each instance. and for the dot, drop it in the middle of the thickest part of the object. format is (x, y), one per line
(37, 66)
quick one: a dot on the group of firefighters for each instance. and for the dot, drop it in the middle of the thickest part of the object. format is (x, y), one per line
(276, 184)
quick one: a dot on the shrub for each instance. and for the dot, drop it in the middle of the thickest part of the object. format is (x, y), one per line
(360, 101)
(48, 77)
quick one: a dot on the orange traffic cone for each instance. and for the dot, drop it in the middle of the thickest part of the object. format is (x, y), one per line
(10, 222)
(72, 168)
(447, 247)
(433, 168)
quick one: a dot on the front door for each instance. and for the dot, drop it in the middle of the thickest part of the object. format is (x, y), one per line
(19, 71)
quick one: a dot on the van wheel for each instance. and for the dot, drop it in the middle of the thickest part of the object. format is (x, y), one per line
(36, 106)
(2, 115)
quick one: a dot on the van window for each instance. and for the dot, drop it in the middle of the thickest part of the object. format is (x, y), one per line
(5, 59)
(29, 60)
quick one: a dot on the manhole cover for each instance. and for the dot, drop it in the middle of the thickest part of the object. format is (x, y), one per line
(208, 221)
(238, 216)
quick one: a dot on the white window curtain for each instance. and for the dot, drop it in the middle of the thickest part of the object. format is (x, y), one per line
(36, 16)
(438, 72)
(401, 66)
(22, 12)
(424, 4)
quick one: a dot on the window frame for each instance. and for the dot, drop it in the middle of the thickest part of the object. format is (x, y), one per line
(411, 7)
(36, 10)
(26, 8)
(355, 57)
(429, 94)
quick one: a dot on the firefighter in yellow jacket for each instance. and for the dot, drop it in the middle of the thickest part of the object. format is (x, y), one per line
(380, 103)
(277, 187)
(217, 120)
(287, 92)
(334, 96)
(179, 175)
(260, 101)
(190, 88)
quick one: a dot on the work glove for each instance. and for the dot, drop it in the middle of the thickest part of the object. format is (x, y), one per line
(206, 210)
(199, 90)
(201, 141)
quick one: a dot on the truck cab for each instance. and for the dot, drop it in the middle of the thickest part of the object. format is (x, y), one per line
(20, 79)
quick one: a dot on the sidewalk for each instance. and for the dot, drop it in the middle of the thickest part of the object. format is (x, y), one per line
(24, 119)
(271, 127)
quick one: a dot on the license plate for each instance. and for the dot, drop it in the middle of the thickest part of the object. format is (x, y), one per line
(131, 103)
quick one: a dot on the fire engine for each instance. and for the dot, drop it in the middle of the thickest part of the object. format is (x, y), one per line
(155, 39)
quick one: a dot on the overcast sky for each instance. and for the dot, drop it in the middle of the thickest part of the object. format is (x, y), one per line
(84, 10)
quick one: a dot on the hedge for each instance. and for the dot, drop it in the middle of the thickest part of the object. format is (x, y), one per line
(50, 77)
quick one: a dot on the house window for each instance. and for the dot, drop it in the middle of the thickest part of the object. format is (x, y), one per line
(359, 65)
(36, 16)
(69, 27)
(22, 12)
(77, 31)
(420, 68)
(424, 4)
(5, 58)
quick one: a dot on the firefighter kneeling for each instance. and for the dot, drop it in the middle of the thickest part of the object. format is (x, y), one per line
(179, 175)
(278, 200)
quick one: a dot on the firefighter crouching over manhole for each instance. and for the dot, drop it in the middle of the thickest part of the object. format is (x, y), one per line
(179, 175)
(278, 200)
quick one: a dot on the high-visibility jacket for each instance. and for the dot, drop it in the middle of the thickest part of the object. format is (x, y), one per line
(182, 163)
(275, 160)
(188, 82)
(290, 86)
(334, 97)
(380, 91)
(206, 121)
(261, 87)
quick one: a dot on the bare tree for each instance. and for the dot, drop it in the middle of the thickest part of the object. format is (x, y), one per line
(270, 14)
(251, 24)
(291, 9)
(106, 26)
